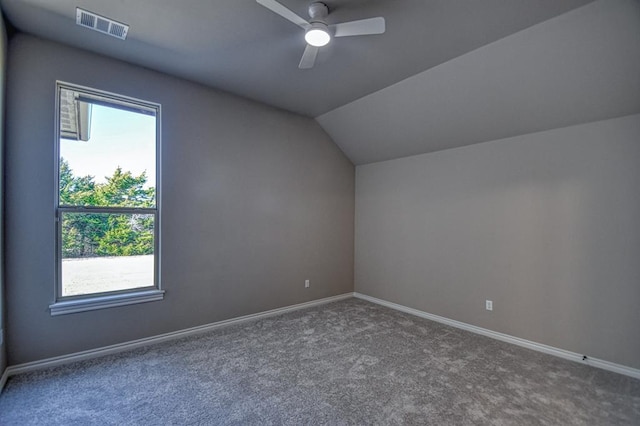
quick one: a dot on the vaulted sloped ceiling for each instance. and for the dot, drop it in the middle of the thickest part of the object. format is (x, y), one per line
(446, 73)
(578, 67)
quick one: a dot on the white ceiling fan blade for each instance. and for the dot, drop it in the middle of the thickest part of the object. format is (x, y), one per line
(308, 57)
(361, 27)
(276, 7)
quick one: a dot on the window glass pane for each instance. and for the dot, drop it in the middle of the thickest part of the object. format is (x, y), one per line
(104, 252)
(107, 153)
(107, 235)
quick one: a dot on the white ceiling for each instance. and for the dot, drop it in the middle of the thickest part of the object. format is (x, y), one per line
(446, 73)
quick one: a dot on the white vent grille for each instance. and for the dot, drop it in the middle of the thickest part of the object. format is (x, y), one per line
(87, 19)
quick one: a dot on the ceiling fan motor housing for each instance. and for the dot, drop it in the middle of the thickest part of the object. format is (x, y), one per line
(318, 11)
(317, 34)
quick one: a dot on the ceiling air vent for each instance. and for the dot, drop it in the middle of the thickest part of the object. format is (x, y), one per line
(87, 19)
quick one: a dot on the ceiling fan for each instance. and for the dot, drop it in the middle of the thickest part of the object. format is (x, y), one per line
(318, 33)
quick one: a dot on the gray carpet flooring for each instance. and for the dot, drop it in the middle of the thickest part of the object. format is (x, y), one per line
(349, 362)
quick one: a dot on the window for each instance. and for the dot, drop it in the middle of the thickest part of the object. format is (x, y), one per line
(107, 200)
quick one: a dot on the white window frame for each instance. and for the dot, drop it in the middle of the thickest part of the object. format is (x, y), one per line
(72, 304)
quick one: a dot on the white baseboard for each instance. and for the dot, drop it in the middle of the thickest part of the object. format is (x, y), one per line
(572, 356)
(121, 347)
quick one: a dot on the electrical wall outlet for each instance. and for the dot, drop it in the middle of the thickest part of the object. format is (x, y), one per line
(306, 284)
(489, 305)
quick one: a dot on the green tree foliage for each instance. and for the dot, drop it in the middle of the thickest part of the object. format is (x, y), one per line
(105, 234)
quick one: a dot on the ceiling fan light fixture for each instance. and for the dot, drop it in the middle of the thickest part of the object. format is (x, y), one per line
(318, 35)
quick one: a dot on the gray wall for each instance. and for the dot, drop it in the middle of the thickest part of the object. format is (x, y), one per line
(255, 201)
(546, 225)
(3, 55)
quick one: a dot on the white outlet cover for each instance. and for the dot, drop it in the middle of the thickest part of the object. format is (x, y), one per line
(489, 305)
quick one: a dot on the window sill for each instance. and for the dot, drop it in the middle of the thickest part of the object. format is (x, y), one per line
(103, 302)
